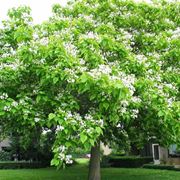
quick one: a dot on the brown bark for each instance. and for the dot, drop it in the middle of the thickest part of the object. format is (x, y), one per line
(94, 167)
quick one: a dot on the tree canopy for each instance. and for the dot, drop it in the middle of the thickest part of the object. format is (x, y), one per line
(97, 70)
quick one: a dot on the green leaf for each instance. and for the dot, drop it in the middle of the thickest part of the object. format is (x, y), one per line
(83, 138)
(93, 96)
(98, 130)
(160, 113)
(83, 78)
(38, 98)
(51, 116)
(105, 105)
(55, 162)
(92, 142)
(55, 80)
(68, 144)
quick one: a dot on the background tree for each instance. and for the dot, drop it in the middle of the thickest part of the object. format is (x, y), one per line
(96, 71)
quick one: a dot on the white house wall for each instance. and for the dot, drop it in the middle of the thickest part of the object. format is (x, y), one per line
(4, 143)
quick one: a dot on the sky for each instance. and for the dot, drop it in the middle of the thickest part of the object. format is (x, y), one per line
(41, 9)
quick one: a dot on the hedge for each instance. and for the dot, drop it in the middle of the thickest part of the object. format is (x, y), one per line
(21, 165)
(5, 156)
(125, 161)
(163, 167)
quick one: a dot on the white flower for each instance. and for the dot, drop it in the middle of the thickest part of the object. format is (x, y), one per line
(101, 122)
(128, 36)
(88, 117)
(46, 131)
(61, 156)
(13, 66)
(91, 35)
(69, 156)
(35, 36)
(71, 49)
(170, 101)
(134, 113)
(69, 159)
(44, 41)
(13, 52)
(59, 128)
(4, 96)
(36, 119)
(14, 104)
(88, 131)
(70, 80)
(176, 33)
(69, 115)
(82, 62)
(124, 103)
(102, 69)
(119, 125)
(136, 99)
(7, 108)
(141, 58)
(62, 148)
(123, 110)
(42, 61)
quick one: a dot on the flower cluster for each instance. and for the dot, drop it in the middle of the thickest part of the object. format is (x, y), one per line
(68, 159)
(62, 150)
(91, 35)
(71, 49)
(102, 69)
(175, 33)
(4, 96)
(7, 108)
(59, 128)
(134, 113)
(71, 75)
(44, 41)
(37, 119)
(14, 104)
(45, 131)
(141, 58)
(12, 66)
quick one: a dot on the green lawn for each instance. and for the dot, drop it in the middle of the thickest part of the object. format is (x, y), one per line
(79, 172)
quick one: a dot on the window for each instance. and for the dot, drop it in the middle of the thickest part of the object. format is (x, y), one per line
(174, 151)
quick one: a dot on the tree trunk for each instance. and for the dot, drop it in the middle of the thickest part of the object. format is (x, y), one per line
(94, 168)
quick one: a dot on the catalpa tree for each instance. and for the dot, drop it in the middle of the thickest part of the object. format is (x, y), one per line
(96, 71)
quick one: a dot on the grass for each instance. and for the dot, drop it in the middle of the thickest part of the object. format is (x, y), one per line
(79, 172)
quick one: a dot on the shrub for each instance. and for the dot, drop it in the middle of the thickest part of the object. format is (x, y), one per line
(5, 156)
(105, 161)
(125, 161)
(164, 167)
(21, 165)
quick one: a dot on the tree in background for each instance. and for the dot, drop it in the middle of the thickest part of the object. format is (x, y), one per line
(96, 71)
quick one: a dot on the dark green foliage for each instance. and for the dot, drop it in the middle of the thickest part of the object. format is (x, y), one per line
(21, 165)
(125, 161)
(105, 162)
(5, 156)
(34, 147)
(164, 167)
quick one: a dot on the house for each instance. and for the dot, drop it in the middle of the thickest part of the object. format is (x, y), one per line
(106, 149)
(162, 155)
(4, 144)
